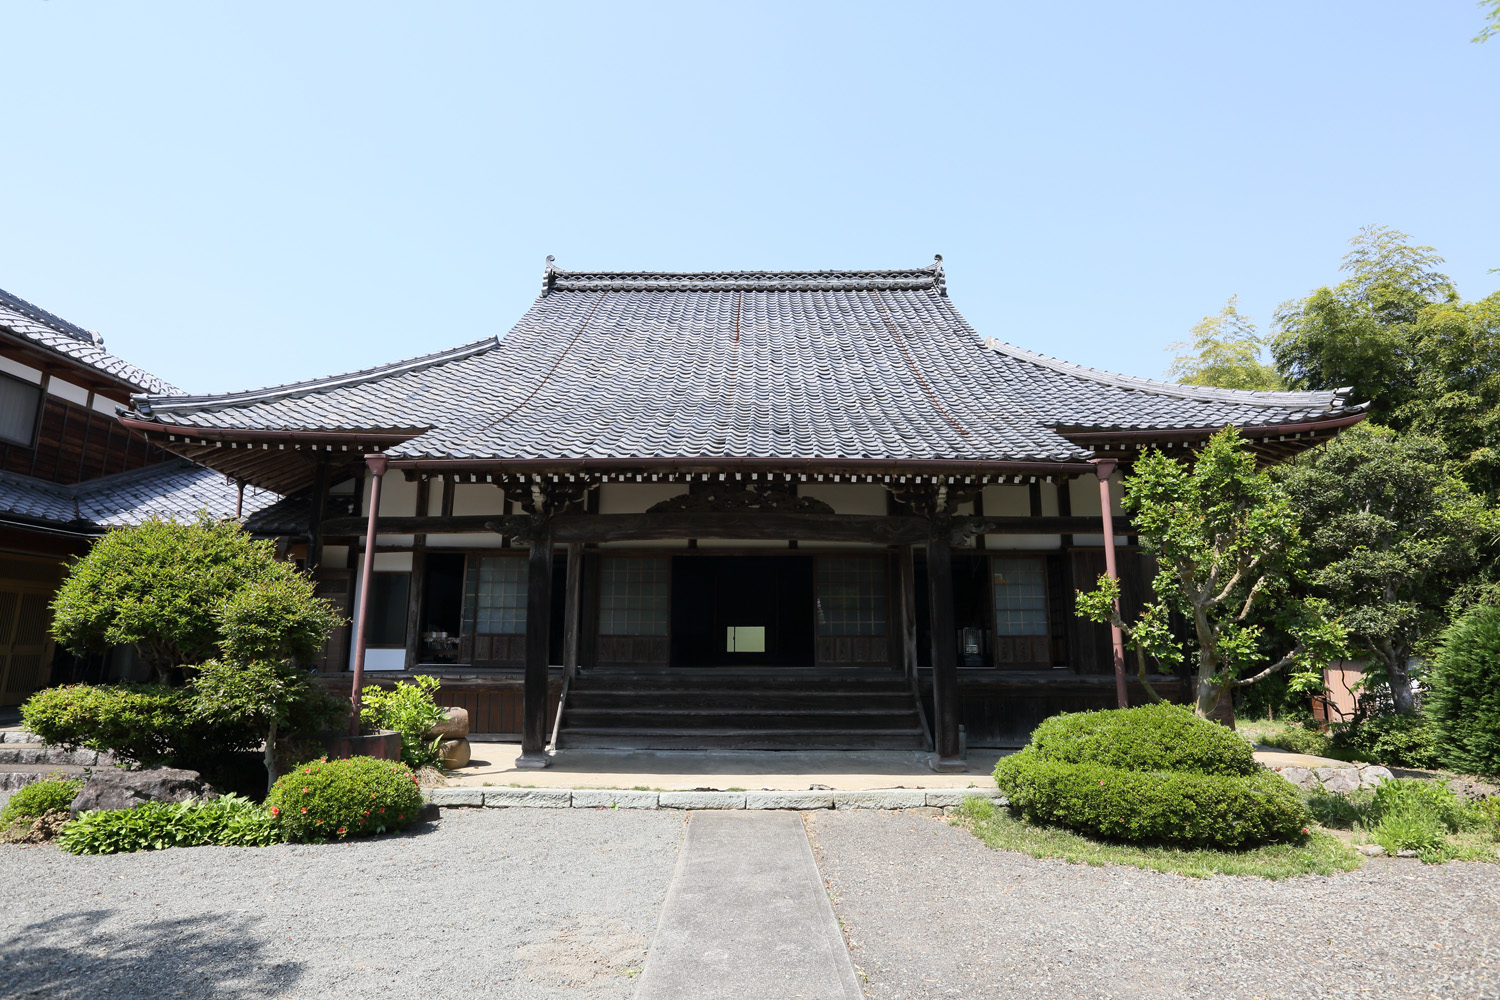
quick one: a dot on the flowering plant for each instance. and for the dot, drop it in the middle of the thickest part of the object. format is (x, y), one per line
(333, 799)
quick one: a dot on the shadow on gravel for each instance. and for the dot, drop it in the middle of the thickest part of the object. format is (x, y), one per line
(89, 955)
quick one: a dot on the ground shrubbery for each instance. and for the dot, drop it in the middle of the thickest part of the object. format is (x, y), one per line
(1413, 814)
(152, 826)
(410, 710)
(1155, 774)
(35, 802)
(145, 724)
(333, 799)
(1465, 697)
(1393, 740)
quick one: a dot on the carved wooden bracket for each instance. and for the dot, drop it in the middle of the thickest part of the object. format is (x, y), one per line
(719, 497)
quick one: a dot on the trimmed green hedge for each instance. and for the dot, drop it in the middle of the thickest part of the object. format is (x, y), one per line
(334, 799)
(1155, 773)
(1158, 737)
(147, 724)
(1465, 699)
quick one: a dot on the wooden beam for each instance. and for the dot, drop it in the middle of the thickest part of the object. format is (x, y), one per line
(945, 713)
(538, 630)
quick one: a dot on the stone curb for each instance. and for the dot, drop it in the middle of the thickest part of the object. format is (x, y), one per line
(622, 798)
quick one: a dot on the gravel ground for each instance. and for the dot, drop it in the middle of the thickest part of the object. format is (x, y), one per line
(931, 912)
(513, 903)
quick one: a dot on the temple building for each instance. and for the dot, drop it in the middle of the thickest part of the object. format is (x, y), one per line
(745, 509)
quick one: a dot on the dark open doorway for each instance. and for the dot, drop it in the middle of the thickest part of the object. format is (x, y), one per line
(742, 611)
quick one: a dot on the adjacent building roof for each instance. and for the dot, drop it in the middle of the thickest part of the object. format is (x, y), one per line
(812, 366)
(56, 335)
(175, 490)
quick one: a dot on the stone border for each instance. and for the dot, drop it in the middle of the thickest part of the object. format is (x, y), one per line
(613, 798)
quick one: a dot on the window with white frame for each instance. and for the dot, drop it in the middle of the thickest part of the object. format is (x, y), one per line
(634, 596)
(850, 595)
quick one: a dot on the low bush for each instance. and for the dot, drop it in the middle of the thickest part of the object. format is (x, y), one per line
(1174, 807)
(410, 710)
(1410, 814)
(145, 724)
(1303, 738)
(334, 799)
(1464, 700)
(228, 820)
(1158, 737)
(1393, 740)
(38, 799)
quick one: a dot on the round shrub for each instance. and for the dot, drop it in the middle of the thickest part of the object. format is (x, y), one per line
(38, 799)
(1158, 737)
(1155, 773)
(333, 799)
(147, 724)
(1465, 698)
(1393, 740)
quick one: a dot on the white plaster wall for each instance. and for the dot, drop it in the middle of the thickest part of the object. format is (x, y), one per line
(398, 498)
(1097, 541)
(20, 371)
(1027, 543)
(392, 562)
(742, 543)
(1007, 500)
(67, 390)
(1085, 495)
(847, 498)
(435, 489)
(477, 498)
(1049, 499)
(660, 543)
(393, 541)
(478, 540)
(636, 498)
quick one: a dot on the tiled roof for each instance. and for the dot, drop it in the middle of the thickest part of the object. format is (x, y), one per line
(57, 335)
(173, 490)
(816, 365)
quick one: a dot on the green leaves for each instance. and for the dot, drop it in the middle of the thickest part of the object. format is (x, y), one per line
(410, 710)
(152, 826)
(1225, 351)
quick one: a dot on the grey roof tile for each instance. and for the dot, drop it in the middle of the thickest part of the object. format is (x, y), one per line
(777, 365)
(57, 335)
(173, 490)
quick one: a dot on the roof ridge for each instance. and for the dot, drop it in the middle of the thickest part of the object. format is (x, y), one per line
(1330, 398)
(53, 320)
(926, 276)
(148, 403)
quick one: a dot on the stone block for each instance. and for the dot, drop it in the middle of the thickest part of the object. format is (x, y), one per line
(881, 798)
(529, 798)
(789, 800)
(955, 796)
(702, 800)
(613, 798)
(1338, 779)
(456, 796)
(1372, 850)
(454, 725)
(1373, 774)
(1300, 776)
(455, 753)
(19, 736)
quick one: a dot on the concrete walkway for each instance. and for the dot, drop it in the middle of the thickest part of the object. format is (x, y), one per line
(680, 770)
(747, 916)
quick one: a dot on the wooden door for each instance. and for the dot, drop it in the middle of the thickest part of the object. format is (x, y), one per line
(25, 647)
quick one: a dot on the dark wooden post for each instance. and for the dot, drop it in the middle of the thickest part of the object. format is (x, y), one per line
(944, 651)
(538, 629)
(570, 611)
(906, 582)
(1104, 468)
(377, 465)
(319, 504)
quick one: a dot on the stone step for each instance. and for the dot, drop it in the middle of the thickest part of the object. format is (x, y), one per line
(20, 775)
(42, 754)
(630, 738)
(18, 736)
(749, 717)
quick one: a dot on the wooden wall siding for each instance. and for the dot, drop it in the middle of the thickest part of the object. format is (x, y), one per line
(334, 587)
(493, 650)
(1000, 710)
(494, 713)
(25, 649)
(1090, 644)
(633, 650)
(1059, 605)
(1023, 650)
(75, 443)
(853, 650)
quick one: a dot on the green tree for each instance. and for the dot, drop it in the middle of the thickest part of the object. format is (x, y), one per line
(160, 587)
(1228, 550)
(1393, 533)
(1225, 351)
(1465, 699)
(1491, 27)
(1456, 391)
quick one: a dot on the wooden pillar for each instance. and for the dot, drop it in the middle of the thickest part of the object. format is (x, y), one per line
(906, 583)
(416, 591)
(377, 464)
(319, 504)
(1104, 467)
(538, 628)
(944, 650)
(570, 611)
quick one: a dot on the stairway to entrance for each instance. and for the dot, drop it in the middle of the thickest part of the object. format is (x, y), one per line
(742, 709)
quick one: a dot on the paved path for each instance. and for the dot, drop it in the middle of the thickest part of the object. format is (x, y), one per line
(747, 916)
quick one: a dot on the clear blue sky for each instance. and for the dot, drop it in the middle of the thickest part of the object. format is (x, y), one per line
(242, 194)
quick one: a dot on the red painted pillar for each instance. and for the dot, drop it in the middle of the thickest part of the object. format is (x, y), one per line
(377, 464)
(1104, 468)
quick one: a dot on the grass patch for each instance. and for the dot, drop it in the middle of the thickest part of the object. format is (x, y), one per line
(999, 828)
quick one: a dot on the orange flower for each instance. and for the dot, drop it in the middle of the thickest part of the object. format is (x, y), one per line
(343, 830)
(304, 808)
(275, 811)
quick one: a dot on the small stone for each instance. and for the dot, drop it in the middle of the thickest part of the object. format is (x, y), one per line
(1372, 851)
(456, 796)
(455, 753)
(613, 798)
(532, 798)
(881, 798)
(1374, 774)
(454, 726)
(1407, 853)
(702, 800)
(788, 800)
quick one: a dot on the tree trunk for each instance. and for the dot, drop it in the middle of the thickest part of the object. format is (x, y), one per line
(1398, 673)
(271, 757)
(1208, 695)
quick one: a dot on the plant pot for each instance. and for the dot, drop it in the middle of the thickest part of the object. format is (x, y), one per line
(382, 744)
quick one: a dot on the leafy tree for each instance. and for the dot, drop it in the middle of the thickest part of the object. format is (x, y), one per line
(1491, 20)
(1465, 701)
(159, 587)
(1228, 549)
(1456, 392)
(1393, 533)
(1225, 351)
